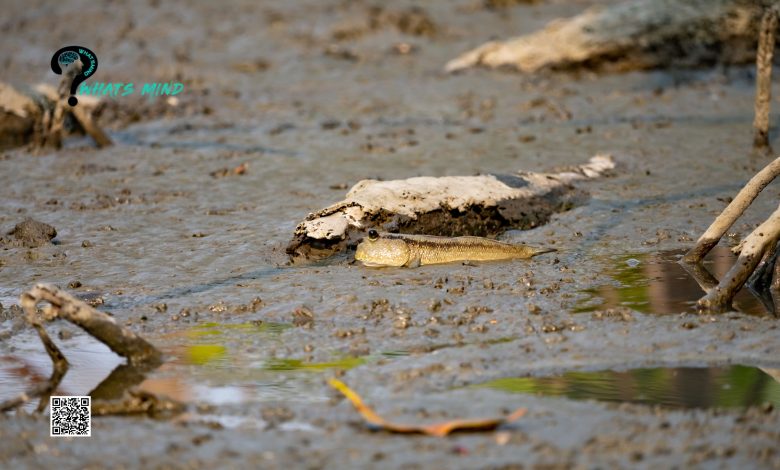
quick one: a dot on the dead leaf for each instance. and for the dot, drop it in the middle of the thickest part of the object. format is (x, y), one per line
(439, 429)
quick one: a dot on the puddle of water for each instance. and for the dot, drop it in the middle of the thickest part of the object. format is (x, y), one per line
(209, 363)
(674, 387)
(657, 283)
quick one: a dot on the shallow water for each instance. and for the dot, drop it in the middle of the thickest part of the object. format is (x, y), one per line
(676, 387)
(657, 283)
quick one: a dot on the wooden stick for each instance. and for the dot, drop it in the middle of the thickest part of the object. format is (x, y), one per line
(755, 246)
(732, 212)
(766, 48)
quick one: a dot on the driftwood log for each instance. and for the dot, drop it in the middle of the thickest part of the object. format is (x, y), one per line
(634, 34)
(484, 205)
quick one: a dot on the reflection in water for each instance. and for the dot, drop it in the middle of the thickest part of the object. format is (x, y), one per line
(28, 364)
(682, 387)
(657, 283)
(218, 364)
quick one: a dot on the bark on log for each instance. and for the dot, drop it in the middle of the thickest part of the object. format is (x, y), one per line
(483, 205)
(635, 34)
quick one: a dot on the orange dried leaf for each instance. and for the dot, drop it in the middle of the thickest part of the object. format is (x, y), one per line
(439, 429)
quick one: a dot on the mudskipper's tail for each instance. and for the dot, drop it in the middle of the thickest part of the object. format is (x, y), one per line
(539, 251)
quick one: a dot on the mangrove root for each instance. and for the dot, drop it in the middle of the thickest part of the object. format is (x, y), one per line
(484, 205)
(752, 251)
(634, 34)
(766, 48)
(759, 245)
(731, 213)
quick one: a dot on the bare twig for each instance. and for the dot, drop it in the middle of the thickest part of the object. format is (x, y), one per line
(732, 212)
(754, 247)
(766, 47)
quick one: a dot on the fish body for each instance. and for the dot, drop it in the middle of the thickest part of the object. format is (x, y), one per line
(393, 249)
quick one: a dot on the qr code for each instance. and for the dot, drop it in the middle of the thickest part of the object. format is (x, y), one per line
(70, 416)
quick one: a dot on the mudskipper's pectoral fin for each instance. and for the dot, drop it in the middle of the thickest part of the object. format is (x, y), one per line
(413, 263)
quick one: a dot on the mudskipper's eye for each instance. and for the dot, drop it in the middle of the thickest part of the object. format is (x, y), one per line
(373, 234)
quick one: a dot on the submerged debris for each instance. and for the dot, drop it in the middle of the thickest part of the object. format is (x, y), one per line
(439, 429)
(484, 205)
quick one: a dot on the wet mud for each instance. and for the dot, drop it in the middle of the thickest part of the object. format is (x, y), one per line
(196, 263)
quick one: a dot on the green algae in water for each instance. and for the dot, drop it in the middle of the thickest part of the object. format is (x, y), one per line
(674, 387)
(202, 354)
(215, 328)
(296, 364)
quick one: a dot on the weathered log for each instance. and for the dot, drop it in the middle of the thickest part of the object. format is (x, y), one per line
(484, 205)
(634, 34)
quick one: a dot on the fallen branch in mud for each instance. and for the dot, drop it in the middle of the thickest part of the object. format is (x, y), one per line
(484, 205)
(438, 430)
(136, 350)
(101, 326)
(631, 35)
